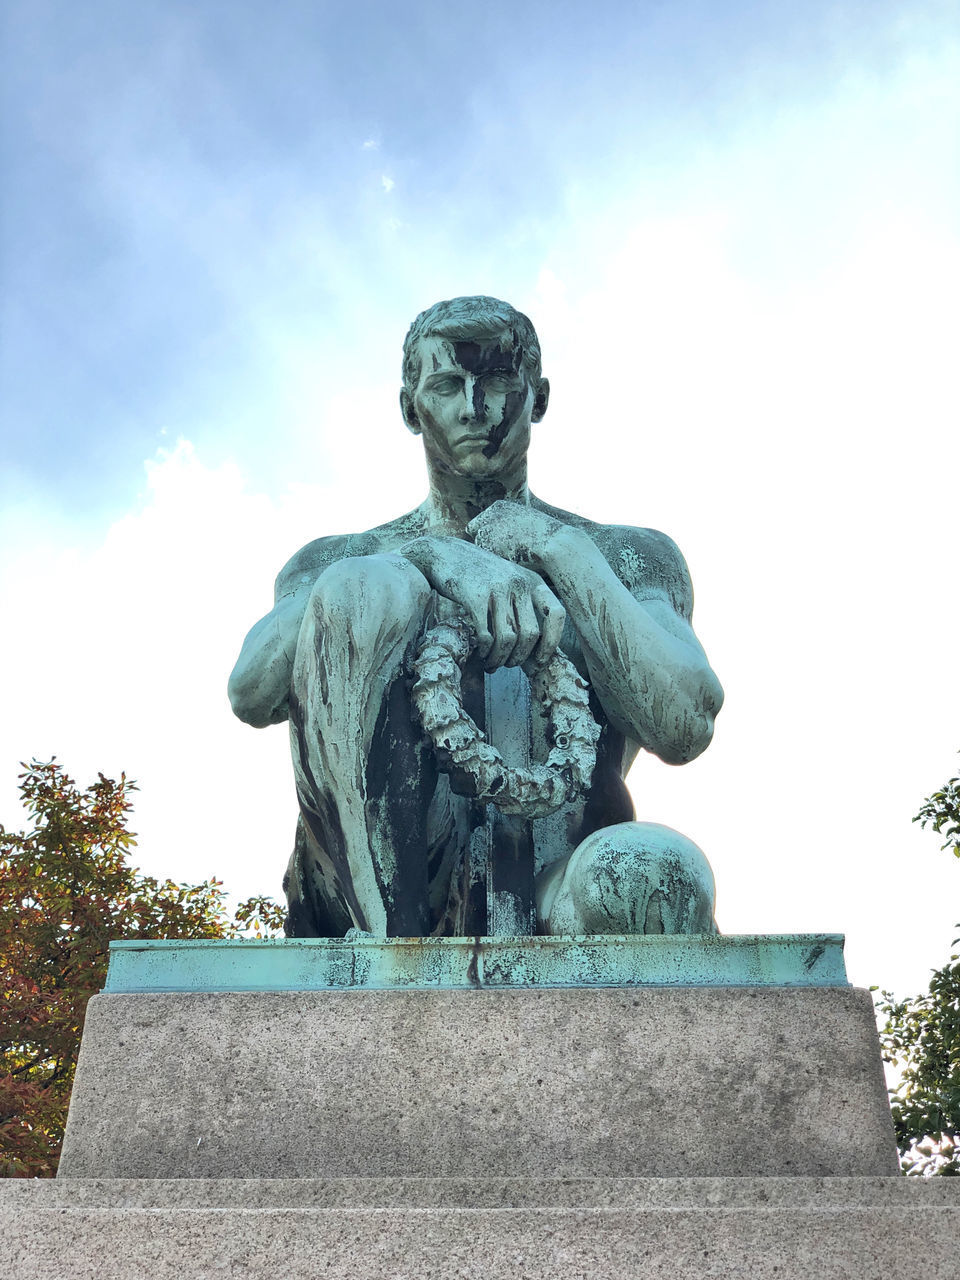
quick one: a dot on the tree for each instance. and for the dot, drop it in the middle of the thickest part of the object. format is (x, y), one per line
(942, 811)
(66, 889)
(922, 1038)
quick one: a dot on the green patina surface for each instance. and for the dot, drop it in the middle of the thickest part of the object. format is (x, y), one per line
(385, 964)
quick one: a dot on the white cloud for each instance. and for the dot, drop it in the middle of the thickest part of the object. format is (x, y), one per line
(388, 183)
(122, 653)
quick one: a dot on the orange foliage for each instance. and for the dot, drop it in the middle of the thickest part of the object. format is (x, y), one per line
(66, 890)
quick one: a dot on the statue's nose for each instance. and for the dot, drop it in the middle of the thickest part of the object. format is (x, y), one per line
(468, 407)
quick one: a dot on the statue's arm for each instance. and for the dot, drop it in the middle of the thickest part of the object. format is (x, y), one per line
(633, 622)
(645, 663)
(259, 685)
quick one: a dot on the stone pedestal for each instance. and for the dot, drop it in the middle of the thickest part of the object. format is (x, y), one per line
(418, 1114)
(553, 1082)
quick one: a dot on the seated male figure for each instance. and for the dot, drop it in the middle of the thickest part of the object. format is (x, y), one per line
(383, 838)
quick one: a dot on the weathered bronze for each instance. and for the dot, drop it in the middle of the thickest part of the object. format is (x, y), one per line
(399, 830)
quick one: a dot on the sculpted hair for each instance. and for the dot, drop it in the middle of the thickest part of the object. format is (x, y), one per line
(474, 317)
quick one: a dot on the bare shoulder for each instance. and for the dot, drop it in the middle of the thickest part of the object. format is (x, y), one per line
(302, 570)
(647, 562)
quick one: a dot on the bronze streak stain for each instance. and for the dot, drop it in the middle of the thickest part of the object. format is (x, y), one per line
(480, 360)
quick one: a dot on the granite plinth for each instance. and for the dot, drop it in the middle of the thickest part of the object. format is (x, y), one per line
(478, 1083)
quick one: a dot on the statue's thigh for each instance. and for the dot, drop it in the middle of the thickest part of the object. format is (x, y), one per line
(363, 780)
(634, 877)
(363, 620)
(362, 612)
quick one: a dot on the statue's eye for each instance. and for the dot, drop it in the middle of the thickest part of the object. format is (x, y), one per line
(445, 386)
(499, 380)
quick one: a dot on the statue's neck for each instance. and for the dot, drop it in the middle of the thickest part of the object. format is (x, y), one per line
(455, 500)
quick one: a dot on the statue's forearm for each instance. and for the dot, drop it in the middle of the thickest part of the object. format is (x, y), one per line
(654, 686)
(442, 561)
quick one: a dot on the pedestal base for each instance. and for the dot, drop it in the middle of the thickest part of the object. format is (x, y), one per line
(485, 1229)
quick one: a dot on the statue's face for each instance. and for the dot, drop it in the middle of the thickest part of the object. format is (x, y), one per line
(474, 404)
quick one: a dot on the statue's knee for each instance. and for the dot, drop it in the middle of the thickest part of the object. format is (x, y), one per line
(363, 593)
(638, 877)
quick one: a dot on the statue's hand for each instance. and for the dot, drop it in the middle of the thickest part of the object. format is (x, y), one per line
(512, 611)
(516, 532)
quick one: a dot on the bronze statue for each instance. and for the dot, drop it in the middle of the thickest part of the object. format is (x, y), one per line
(399, 833)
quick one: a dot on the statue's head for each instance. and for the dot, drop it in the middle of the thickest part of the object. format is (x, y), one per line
(472, 384)
(477, 319)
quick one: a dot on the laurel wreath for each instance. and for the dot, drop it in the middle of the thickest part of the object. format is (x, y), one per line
(560, 692)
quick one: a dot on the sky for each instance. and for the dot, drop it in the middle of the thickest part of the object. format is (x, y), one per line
(736, 227)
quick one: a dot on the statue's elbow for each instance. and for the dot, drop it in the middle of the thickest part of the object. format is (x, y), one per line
(690, 741)
(242, 706)
(692, 722)
(249, 706)
(698, 740)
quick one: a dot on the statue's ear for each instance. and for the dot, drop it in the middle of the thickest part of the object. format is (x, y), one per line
(408, 411)
(540, 400)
